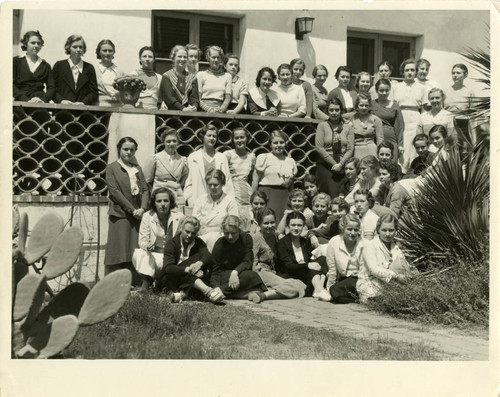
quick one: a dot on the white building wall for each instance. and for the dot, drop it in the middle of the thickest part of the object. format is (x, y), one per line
(267, 36)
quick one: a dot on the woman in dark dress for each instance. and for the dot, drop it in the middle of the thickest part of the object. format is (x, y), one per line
(335, 145)
(75, 80)
(342, 92)
(33, 80)
(233, 258)
(263, 99)
(128, 201)
(389, 112)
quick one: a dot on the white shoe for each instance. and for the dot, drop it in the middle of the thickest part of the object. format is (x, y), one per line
(323, 296)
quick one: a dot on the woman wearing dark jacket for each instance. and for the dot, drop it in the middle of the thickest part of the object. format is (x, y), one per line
(294, 259)
(187, 263)
(128, 201)
(33, 80)
(233, 260)
(75, 80)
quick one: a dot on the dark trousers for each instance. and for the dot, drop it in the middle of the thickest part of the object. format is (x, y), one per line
(344, 290)
(171, 280)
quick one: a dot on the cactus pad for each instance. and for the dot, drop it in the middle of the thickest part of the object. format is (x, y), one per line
(43, 235)
(106, 298)
(54, 337)
(29, 297)
(69, 301)
(64, 253)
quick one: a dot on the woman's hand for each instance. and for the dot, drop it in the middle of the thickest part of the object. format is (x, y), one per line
(138, 213)
(231, 111)
(272, 112)
(150, 247)
(35, 100)
(195, 267)
(66, 102)
(401, 149)
(337, 168)
(314, 266)
(234, 281)
(314, 242)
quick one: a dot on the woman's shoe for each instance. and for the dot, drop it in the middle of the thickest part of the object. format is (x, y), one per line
(215, 295)
(256, 296)
(323, 295)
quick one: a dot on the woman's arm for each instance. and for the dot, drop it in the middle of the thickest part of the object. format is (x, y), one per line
(399, 127)
(145, 232)
(308, 93)
(332, 266)
(247, 261)
(301, 103)
(379, 130)
(169, 96)
(50, 85)
(194, 96)
(115, 194)
(349, 143)
(92, 97)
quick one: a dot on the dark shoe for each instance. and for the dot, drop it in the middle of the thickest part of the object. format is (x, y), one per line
(147, 282)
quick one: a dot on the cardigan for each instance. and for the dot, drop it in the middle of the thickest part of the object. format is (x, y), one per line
(236, 256)
(338, 258)
(172, 254)
(337, 93)
(286, 264)
(173, 97)
(119, 191)
(27, 84)
(326, 147)
(86, 87)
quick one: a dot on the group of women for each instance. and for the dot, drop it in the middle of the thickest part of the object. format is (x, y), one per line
(250, 234)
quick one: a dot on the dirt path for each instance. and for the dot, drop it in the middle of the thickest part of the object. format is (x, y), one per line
(357, 320)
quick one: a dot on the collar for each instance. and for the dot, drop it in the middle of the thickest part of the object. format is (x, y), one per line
(79, 65)
(223, 195)
(103, 68)
(259, 96)
(127, 167)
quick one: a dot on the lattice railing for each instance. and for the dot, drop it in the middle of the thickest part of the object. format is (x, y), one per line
(58, 150)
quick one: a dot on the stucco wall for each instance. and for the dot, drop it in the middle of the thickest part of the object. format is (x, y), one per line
(267, 37)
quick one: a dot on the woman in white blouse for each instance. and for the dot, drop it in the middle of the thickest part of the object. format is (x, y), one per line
(106, 73)
(292, 97)
(343, 256)
(383, 261)
(436, 115)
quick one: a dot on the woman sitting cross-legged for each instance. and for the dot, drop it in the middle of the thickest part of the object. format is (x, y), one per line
(187, 264)
(265, 242)
(158, 224)
(233, 257)
(343, 256)
(294, 259)
(383, 261)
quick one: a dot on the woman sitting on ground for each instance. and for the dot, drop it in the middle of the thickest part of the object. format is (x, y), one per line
(214, 84)
(263, 99)
(233, 258)
(179, 88)
(33, 81)
(157, 225)
(293, 259)
(265, 242)
(383, 261)
(187, 264)
(343, 257)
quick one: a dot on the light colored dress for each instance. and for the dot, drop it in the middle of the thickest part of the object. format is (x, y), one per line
(378, 266)
(211, 213)
(105, 78)
(238, 87)
(213, 88)
(163, 170)
(458, 99)
(410, 97)
(241, 169)
(320, 102)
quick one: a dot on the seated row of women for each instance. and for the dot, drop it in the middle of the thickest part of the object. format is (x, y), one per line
(219, 88)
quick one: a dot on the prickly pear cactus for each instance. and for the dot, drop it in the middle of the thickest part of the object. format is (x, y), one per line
(106, 298)
(45, 333)
(43, 236)
(64, 253)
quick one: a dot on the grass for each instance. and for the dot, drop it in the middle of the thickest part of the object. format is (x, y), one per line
(456, 296)
(148, 328)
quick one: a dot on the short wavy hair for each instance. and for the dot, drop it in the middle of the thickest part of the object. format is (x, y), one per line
(70, 40)
(261, 72)
(367, 194)
(156, 192)
(100, 44)
(28, 35)
(216, 174)
(348, 218)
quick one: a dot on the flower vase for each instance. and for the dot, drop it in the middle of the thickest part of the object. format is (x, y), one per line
(129, 97)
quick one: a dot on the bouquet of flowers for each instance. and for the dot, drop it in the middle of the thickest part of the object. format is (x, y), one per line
(129, 83)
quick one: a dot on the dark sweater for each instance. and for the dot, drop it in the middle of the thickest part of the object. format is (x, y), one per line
(27, 85)
(286, 264)
(172, 254)
(237, 256)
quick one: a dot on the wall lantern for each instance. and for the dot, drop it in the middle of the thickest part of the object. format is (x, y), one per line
(303, 25)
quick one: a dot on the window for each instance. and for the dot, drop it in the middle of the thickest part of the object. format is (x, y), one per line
(365, 50)
(170, 28)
